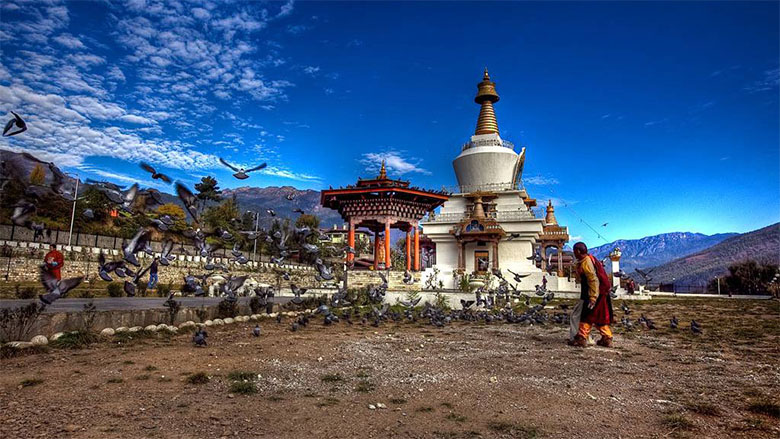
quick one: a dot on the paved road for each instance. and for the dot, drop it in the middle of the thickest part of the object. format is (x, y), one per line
(127, 303)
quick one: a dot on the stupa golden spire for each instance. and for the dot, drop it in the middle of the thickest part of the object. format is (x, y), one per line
(382, 172)
(550, 218)
(486, 97)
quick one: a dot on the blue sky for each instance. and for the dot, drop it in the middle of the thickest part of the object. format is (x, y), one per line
(653, 117)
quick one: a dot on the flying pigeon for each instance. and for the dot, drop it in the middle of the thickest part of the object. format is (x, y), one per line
(241, 173)
(20, 125)
(155, 175)
(56, 289)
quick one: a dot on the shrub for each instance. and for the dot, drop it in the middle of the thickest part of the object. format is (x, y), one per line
(198, 378)
(163, 290)
(25, 293)
(16, 323)
(241, 375)
(255, 305)
(243, 387)
(140, 289)
(202, 314)
(114, 289)
(227, 309)
(75, 340)
(88, 316)
(173, 307)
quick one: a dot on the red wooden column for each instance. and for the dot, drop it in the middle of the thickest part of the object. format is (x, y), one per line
(495, 255)
(387, 245)
(351, 241)
(376, 250)
(408, 252)
(416, 247)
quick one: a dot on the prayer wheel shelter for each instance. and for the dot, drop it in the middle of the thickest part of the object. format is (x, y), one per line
(382, 204)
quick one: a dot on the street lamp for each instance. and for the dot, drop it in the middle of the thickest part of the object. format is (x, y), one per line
(73, 211)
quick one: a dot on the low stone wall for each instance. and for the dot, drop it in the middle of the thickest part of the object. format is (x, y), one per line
(20, 261)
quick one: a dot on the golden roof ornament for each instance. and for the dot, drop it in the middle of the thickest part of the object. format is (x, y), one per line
(486, 97)
(550, 218)
(382, 172)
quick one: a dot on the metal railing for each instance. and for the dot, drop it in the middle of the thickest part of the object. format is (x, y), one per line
(498, 216)
(488, 142)
(488, 187)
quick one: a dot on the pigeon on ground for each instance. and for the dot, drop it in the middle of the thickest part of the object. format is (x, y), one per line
(241, 173)
(199, 339)
(625, 308)
(408, 278)
(256, 331)
(673, 323)
(695, 327)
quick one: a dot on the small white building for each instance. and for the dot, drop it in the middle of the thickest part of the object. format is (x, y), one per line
(488, 224)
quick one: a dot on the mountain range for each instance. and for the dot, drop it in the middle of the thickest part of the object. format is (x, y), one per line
(655, 250)
(762, 245)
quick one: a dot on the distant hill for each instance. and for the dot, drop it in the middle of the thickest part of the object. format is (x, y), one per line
(762, 245)
(655, 250)
(259, 199)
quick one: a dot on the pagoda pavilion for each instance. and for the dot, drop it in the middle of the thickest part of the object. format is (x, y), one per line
(379, 205)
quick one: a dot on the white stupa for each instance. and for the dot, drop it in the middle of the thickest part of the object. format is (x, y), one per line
(487, 224)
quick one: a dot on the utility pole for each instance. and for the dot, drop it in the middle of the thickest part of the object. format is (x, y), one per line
(254, 247)
(73, 212)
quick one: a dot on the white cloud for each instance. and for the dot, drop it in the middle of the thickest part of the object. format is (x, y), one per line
(540, 180)
(769, 81)
(140, 120)
(394, 163)
(311, 70)
(69, 41)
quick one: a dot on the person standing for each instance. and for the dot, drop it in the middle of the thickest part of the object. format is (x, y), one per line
(152, 275)
(54, 261)
(597, 304)
(630, 286)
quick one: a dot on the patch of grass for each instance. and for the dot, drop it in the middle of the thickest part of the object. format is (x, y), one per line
(242, 375)
(515, 430)
(143, 377)
(677, 421)
(765, 406)
(362, 374)
(327, 402)
(398, 401)
(29, 382)
(150, 368)
(364, 386)
(75, 340)
(198, 378)
(703, 408)
(243, 387)
(331, 378)
(455, 417)
(128, 362)
(275, 398)
(425, 409)
(115, 380)
(9, 352)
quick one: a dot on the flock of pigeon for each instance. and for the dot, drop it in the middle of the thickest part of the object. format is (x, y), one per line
(647, 323)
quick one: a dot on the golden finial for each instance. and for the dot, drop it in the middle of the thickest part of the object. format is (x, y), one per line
(382, 171)
(550, 218)
(486, 97)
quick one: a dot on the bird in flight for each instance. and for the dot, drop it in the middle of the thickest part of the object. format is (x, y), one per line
(20, 125)
(241, 173)
(155, 175)
(604, 225)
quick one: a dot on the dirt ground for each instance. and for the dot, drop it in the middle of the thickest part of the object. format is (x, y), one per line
(464, 380)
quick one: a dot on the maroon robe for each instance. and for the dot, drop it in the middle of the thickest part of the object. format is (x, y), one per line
(602, 313)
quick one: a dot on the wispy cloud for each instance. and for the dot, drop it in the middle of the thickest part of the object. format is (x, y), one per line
(394, 162)
(540, 180)
(656, 122)
(768, 82)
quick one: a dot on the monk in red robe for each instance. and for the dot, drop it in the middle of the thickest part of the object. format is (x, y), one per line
(54, 261)
(596, 286)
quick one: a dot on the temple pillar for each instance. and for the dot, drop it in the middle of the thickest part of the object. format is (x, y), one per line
(544, 256)
(417, 247)
(461, 256)
(408, 252)
(351, 241)
(560, 260)
(495, 255)
(388, 264)
(376, 249)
